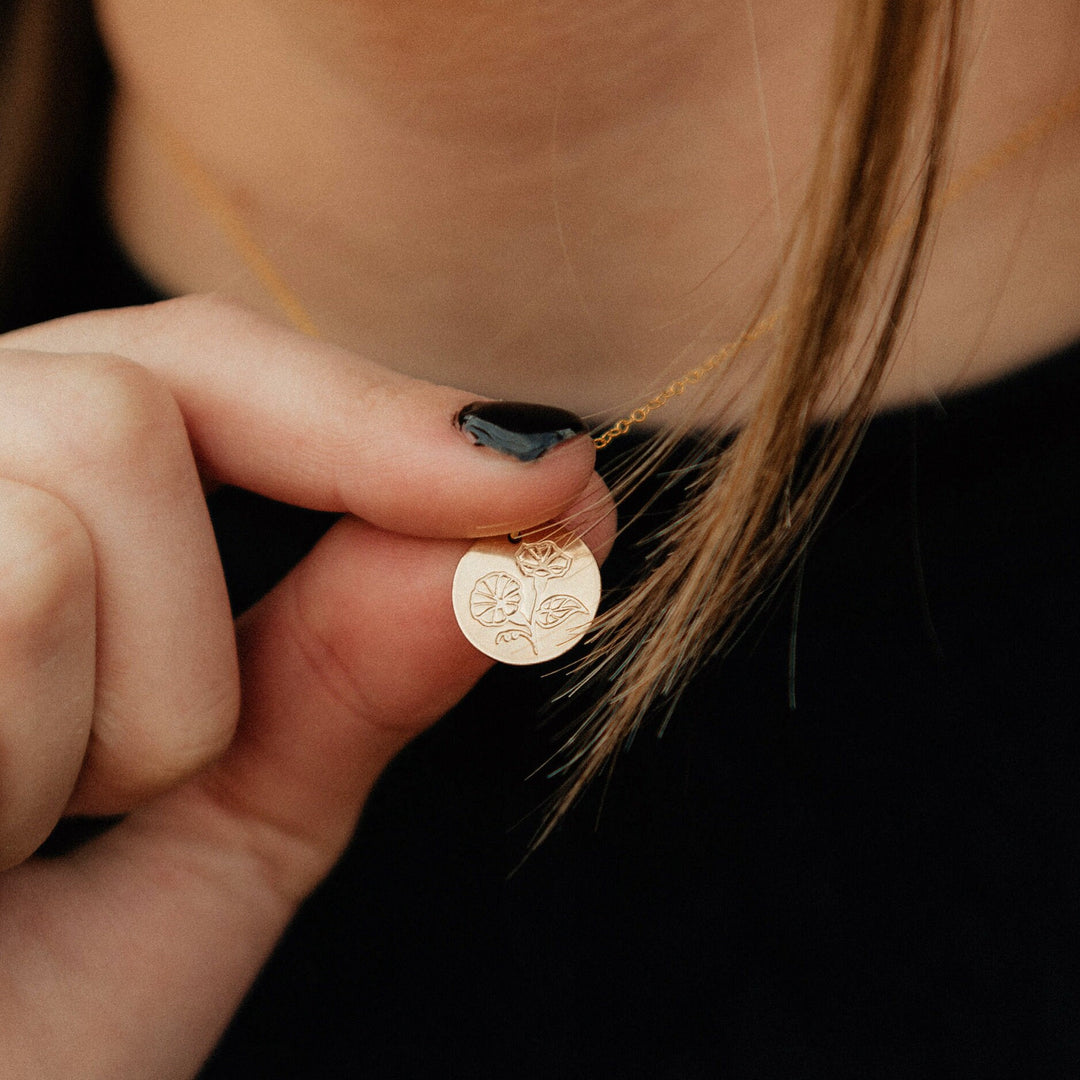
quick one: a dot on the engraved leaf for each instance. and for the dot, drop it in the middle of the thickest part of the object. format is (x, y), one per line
(494, 598)
(557, 609)
(543, 560)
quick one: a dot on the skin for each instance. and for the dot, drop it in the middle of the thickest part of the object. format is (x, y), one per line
(243, 753)
(531, 222)
(581, 217)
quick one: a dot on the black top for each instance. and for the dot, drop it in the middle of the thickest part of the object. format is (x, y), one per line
(852, 853)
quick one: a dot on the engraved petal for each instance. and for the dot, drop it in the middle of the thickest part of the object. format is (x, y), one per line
(494, 598)
(544, 559)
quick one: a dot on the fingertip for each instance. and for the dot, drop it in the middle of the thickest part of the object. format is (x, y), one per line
(432, 470)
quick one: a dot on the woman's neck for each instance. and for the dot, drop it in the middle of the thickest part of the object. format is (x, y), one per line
(567, 201)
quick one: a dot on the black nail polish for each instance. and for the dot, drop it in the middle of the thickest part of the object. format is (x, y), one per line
(518, 428)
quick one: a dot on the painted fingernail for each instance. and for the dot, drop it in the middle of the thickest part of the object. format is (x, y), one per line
(518, 428)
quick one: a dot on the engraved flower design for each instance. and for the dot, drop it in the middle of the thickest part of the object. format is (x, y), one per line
(494, 598)
(544, 560)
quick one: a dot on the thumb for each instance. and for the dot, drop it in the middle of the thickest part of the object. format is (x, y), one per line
(350, 657)
(140, 947)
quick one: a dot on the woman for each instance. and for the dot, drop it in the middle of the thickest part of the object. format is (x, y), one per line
(851, 853)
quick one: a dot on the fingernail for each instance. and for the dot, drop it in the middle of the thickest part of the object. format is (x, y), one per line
(518, 428)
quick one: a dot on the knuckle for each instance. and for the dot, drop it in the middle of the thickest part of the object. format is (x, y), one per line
(133, 762)
(213, 310)
(210, 730)
(26, 826)
(124, 409)
(46, 559)
(18, 844)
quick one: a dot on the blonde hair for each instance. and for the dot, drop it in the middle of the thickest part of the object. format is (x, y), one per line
(755, 500)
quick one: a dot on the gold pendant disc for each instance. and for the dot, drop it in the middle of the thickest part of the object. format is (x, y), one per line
(526, 601)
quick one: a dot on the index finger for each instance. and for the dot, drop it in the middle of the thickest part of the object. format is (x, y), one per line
(309, 423)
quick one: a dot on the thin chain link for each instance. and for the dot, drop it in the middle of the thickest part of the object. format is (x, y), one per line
(690, 378)
(222, 212)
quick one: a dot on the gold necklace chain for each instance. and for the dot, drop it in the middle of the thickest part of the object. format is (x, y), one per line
(690, 378)
(223, 213)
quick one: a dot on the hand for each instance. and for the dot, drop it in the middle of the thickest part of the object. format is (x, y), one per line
(121, 676)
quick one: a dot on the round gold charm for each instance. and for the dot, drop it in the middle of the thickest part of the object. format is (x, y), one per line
(526, 601)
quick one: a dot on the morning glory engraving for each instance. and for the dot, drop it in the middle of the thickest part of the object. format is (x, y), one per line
(500, 599)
